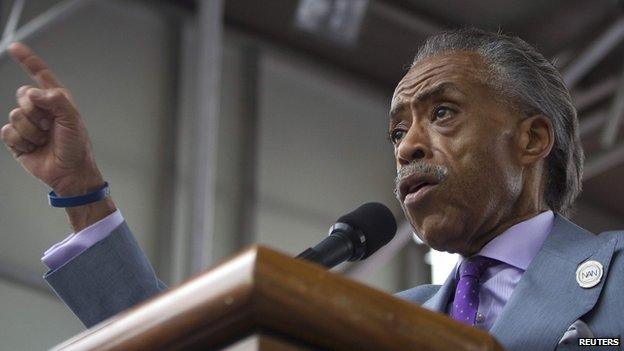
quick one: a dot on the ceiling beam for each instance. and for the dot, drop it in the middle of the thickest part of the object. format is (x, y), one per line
(595, 52)
(585, 98)
(39, 24)
(12, 22)
(592, 122)
(603, 162)
(612, 125)
(411, 21)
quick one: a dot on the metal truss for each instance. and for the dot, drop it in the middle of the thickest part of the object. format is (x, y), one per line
(39, 24)
(611, 153)
(210, 30)
(595, 52)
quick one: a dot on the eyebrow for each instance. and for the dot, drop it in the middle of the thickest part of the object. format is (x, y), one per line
(435, 91)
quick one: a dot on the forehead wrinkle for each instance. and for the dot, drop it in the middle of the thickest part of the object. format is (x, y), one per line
(437, 90)
(412, 83)
(406, 89)
(409, 85)
(420, 77)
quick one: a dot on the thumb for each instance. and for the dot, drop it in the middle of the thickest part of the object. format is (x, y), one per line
(55, 102)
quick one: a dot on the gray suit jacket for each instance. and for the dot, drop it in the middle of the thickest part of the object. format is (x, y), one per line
(547, 307)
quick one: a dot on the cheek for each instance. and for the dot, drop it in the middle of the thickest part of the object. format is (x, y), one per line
(456, 148)
(499, 176)
(480, 142)
(461, 155)
(480, 169)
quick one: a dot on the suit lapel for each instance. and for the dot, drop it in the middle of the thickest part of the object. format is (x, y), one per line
(547, 300)
(439, 301)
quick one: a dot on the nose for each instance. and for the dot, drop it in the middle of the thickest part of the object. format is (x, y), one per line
(414, 146)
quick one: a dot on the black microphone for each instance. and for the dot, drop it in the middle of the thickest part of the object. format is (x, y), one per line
(355, 236)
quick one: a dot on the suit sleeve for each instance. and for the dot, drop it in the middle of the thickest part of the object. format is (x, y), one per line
(109, 277)
(76, 243)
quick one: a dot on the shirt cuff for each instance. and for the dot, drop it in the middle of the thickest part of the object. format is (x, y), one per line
(76, 243)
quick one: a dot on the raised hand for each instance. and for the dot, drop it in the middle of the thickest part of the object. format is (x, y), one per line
(47, 135)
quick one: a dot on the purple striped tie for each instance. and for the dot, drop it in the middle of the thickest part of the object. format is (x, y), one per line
(466, 300)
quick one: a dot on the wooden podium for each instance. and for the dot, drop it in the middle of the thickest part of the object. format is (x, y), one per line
(264, 300)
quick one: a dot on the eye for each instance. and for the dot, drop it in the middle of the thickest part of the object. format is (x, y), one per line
(442, 112)
(396, 135)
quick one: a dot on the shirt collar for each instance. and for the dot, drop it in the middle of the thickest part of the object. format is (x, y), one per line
(518, 245)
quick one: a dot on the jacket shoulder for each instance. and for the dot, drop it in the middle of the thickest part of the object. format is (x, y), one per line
(611, 234)
(616, 236)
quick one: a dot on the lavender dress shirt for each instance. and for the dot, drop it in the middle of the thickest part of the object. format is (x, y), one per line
(516, 248)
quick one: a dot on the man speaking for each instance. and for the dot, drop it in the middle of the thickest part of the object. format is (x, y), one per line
(489, 163)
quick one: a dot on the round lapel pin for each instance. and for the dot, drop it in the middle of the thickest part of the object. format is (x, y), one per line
(589, 274)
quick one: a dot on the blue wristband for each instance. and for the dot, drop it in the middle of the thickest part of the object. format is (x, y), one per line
(56, 201)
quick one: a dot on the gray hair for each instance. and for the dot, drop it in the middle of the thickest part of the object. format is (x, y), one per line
(532, 84)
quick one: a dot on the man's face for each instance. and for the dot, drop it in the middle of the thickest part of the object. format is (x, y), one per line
(454, 148)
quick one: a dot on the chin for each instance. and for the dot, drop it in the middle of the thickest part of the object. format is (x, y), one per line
(441, 243)
(441, 232)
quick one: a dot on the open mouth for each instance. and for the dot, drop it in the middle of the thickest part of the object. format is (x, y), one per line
(414, 187)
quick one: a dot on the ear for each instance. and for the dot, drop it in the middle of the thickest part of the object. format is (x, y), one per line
(536, 139)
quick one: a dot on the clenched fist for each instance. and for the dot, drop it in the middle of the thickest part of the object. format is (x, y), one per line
(48, 138)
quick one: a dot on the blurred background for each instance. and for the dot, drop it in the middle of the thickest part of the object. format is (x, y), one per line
(222, 123)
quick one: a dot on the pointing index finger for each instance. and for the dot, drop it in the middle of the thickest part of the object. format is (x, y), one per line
(34, 66)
